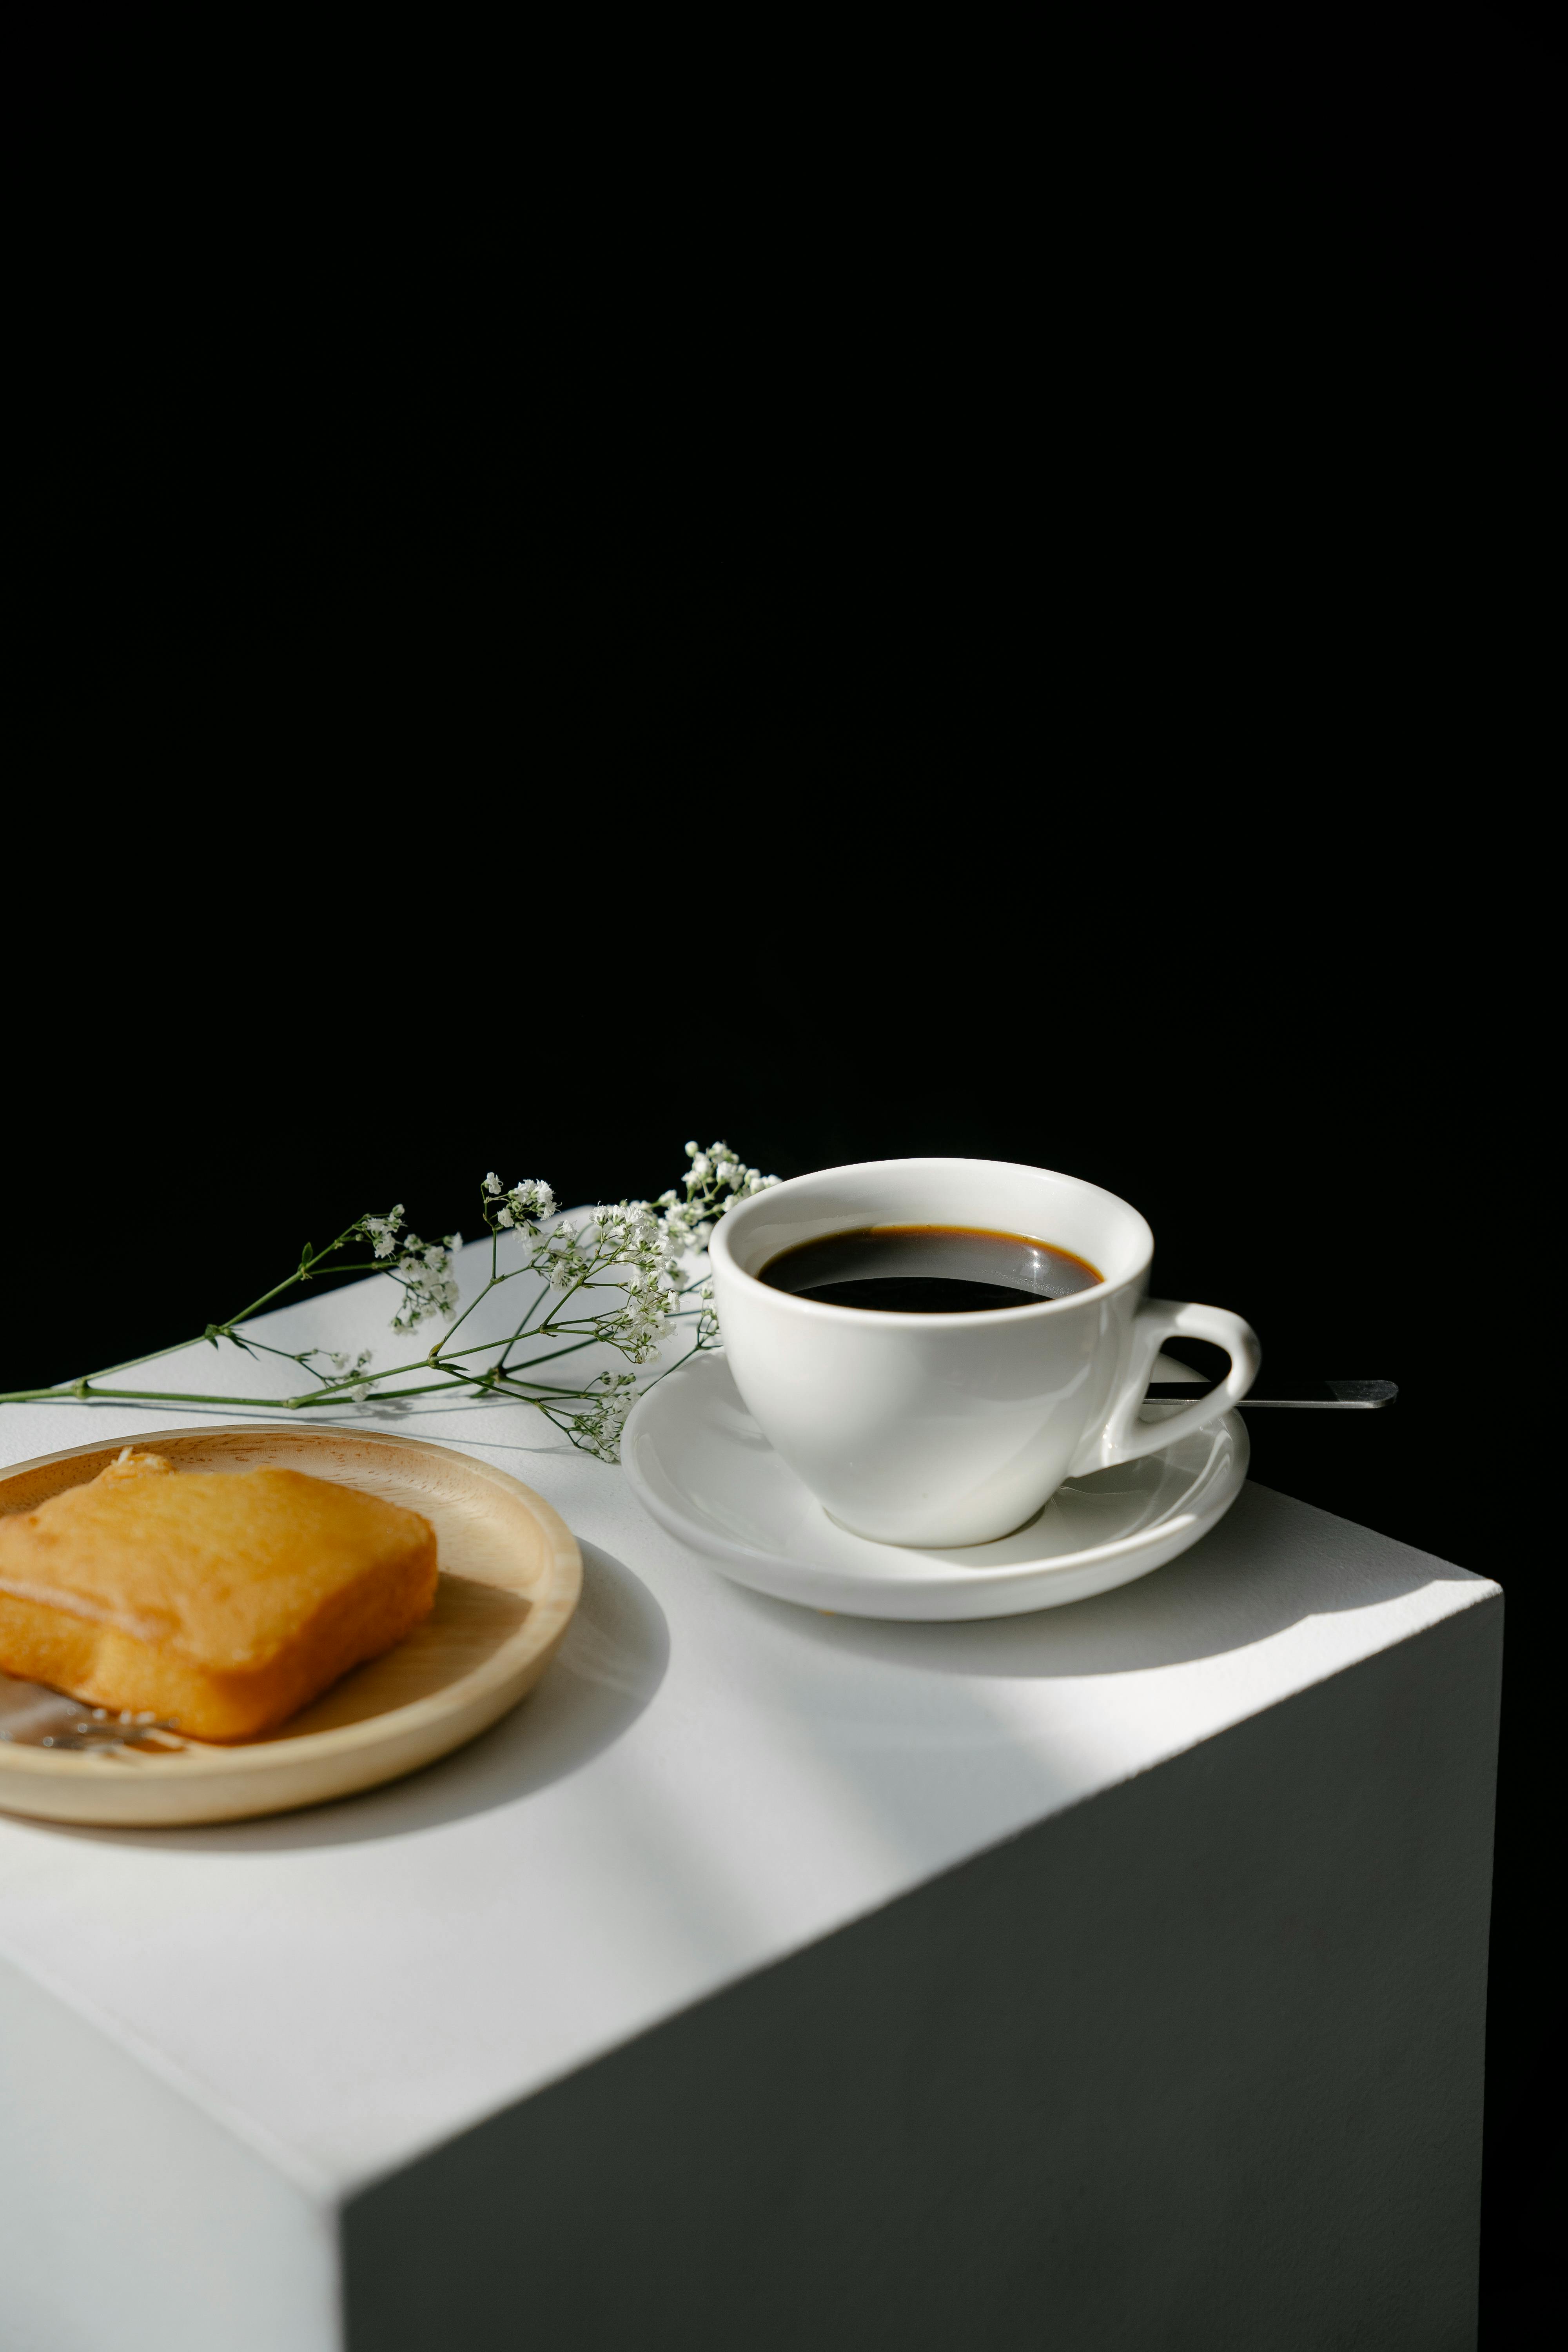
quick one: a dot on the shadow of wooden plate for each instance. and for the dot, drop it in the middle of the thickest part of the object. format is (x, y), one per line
(511, 1575)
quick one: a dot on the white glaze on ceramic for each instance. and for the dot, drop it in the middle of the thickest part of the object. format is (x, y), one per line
(954, 1429)
(703, 1469)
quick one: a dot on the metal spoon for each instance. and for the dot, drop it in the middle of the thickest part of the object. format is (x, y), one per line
(31, 1715)
(1310, 1396)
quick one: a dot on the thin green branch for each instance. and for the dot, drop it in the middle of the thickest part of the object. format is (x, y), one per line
(309, 1261)
(553, 1356)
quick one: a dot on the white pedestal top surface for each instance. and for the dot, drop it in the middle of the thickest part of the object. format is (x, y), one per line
(705, 1782)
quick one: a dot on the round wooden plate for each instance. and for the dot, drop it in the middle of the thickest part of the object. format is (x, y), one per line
(511, 1575)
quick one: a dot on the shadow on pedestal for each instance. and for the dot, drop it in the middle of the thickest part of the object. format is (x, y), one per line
(1196, 2064)
(1209, 1601)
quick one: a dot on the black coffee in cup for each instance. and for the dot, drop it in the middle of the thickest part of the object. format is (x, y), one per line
(929, 1270)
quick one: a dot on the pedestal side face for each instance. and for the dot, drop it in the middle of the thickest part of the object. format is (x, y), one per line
(1196, 2064)
(128, 2217)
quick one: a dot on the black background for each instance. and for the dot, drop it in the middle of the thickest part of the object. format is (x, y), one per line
(1031, 650)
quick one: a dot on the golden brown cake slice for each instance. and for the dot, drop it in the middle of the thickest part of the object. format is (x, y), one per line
(220, 1601)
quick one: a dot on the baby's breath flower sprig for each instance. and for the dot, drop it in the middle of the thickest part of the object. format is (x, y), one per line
(715, 1180)
(423, 1269)
(521, 1207)
(621, 1278)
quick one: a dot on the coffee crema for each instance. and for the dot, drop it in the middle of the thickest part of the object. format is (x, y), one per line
(929, 1270)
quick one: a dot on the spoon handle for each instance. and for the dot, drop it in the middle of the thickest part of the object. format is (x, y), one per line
(1308, 1396)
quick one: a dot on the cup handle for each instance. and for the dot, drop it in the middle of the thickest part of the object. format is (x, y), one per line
(1123, 1436)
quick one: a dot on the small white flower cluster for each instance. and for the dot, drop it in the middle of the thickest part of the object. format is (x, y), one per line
(524, 1205)
(648, 1255)
(716, 1179)
(561, 1258)
(626, 1246)
(598, 1430)
(423, 1269)
(382, 1231)
(429, 1285)
(349, 1368)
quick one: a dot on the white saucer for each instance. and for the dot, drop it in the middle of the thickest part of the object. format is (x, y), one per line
(699, 1463)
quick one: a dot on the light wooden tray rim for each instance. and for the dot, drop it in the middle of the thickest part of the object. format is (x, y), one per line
(328, 1763)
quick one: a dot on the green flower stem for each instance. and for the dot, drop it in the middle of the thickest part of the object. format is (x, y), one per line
(86, 1392)
(309, 1261)
(332, 1391)
(695, 1349)
(553, 1356)
(493, 1284)
(465, 1384)
(63, 1387)
(265, 1347)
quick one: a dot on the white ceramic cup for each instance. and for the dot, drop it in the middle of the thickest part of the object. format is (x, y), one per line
(954, 1429)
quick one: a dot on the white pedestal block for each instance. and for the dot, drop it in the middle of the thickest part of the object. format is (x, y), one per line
(1109, 1978)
